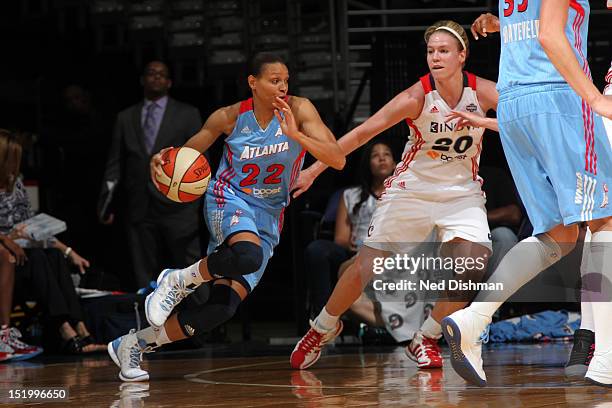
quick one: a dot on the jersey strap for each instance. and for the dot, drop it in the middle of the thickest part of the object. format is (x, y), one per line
(469, 79)
(246, 106)
(428, 83)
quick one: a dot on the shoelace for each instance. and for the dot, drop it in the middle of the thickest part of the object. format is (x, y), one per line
(484, 337)
(135, 356)
(175, 295)
(590, 354)
(309, 343)
(428, 346)
(13, 339)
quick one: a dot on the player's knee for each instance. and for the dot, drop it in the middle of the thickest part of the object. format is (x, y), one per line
(242, 258)
(220, 308)
(249, 257)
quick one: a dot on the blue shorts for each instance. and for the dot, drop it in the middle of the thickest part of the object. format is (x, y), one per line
(227, 214)
(559, 155)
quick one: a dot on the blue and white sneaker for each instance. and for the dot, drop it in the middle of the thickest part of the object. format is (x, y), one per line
(465, 331)
(126, 351)
(171, 289)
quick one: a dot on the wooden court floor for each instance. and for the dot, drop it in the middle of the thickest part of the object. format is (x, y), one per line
(519, 376)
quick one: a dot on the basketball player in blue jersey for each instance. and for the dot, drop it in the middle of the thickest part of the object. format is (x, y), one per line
(267, 137)
(555, 143)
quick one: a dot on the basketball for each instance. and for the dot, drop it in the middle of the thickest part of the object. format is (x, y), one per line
(185, 175)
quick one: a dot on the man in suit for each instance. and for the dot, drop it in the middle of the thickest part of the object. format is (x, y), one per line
(158, 230)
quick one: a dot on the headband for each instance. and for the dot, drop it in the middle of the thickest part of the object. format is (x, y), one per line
(453, 32)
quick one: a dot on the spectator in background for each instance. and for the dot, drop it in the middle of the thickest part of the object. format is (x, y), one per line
(158, 231)
(503, 212)
(323, 258)
(42, 273)
(75, 147)
(11, 347)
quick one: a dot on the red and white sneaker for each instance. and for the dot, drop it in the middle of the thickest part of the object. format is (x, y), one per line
(6, 351)
(308, 350)
(21, 350)
(424, 351)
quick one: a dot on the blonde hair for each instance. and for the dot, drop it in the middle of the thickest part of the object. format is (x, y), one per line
(452, 28)
(10, 159)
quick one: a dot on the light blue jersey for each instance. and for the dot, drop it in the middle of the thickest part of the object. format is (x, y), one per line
(523, 60)
(251, 188)
(556, 146)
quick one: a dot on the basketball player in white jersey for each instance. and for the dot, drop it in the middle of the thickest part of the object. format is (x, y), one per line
(435, 186)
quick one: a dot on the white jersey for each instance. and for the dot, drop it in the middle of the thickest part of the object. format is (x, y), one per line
(437, 158)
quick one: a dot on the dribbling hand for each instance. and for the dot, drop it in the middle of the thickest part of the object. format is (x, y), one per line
(156, 164)
(485, 23)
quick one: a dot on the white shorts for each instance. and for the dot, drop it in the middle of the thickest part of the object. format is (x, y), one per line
(402, 221)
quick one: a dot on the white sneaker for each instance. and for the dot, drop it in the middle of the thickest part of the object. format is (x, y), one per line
(171, 289)
(465, 331)
(600, 369)
(126, 351)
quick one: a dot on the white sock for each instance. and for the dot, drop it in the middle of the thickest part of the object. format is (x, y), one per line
(586, 307)
(521, 264)
(192, 275)
(432, 329)
(153, 336)
(601, 261)
(325, 321)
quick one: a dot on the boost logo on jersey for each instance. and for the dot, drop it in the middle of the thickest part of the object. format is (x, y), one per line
(262, 192)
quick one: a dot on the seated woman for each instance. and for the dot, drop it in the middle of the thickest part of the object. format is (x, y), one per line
(43, 270)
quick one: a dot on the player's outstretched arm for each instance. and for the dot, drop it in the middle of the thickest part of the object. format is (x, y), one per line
(406, 104)
(488, 97)
(485, 24)
(302, 123)
(553, 19)
(220, 121)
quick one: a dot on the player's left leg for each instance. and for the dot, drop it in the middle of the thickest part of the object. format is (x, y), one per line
(126, 351)
(600, 367)
(464, 231)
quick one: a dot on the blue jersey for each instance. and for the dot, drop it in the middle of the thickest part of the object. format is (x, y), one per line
(523, 60)
(258, 165)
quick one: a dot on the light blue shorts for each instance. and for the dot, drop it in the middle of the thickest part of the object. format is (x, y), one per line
(559, 155)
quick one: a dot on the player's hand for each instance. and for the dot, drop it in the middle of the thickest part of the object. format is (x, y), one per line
(287, 120)
(79, 261)
(603, 106)
(16, 250)
(156, 164)
(466, 119)
(303, 183)
(484, 24)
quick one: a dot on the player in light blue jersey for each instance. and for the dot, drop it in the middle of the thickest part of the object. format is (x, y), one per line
(267, 137)
(555, 143)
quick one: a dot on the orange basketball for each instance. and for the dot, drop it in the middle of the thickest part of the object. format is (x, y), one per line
(185, 174)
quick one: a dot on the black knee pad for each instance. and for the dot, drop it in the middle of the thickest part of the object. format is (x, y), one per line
(242, 258)
(221, 306)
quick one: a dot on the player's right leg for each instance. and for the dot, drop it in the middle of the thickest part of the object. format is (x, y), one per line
(539, 131)
(235, 250)
(327, 325)
(388, 233)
